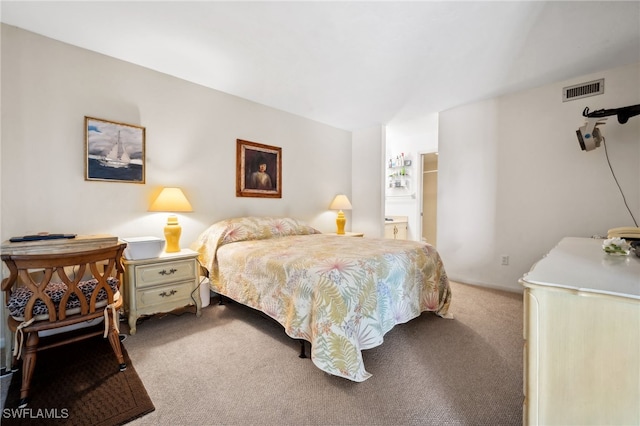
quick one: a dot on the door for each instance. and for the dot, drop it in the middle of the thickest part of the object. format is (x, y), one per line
(429, 197)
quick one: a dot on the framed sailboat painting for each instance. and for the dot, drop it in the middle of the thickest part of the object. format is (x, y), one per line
(114, 151)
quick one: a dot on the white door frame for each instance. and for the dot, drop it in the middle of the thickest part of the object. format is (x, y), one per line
(419, 192)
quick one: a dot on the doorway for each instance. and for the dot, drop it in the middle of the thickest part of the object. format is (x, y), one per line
(429, 206)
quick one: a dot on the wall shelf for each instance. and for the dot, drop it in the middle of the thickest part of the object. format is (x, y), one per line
(398, 177)
(401, 196)
(396, 164)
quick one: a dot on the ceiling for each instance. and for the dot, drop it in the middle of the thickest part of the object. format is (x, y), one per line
(350, 64)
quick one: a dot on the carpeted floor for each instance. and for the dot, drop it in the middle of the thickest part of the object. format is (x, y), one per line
(232, 366)
(79, 384)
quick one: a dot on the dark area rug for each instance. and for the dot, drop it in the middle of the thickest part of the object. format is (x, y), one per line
(79, 384)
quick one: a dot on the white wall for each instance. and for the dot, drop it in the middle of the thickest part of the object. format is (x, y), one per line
(47, 89)
(413, 138)
(513, 180)
(368, 181)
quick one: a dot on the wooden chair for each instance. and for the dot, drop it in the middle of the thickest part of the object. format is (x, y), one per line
(46, 292)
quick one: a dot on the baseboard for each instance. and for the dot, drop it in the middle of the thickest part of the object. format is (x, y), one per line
(491, 286)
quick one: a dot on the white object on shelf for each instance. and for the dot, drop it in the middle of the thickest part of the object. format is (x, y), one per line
(139, 248)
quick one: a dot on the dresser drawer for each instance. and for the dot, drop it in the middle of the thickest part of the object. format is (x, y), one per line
(166, 272)
(166, 294)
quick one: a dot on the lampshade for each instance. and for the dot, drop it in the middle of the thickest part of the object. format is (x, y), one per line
(171, 200)
(341, 202)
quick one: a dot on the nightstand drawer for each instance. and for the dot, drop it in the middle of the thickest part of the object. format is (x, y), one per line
(164, 294)
(159, 273)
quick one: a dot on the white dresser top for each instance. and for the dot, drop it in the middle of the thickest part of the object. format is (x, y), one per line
(581, 264)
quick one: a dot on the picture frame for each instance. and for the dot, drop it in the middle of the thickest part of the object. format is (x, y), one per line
(114, 151)
(258, 170)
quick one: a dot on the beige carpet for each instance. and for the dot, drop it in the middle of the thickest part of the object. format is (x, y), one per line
(234, 367)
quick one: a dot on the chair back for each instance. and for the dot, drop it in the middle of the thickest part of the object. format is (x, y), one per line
(65, 284)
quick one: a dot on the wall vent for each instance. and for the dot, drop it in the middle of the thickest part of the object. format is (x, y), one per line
(583, 90)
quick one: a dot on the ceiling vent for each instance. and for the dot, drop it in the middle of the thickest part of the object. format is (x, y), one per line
(583, 90)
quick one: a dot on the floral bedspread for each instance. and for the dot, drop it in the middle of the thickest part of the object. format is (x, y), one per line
(342, 294)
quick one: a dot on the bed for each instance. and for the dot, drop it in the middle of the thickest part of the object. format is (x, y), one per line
(341, 294)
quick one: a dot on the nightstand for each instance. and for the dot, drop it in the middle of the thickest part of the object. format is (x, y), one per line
(348, 234)
(161, 284)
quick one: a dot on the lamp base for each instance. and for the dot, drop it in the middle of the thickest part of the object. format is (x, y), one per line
(172, 233)
(340, 222)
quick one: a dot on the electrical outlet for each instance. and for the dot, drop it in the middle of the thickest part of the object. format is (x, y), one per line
(504, 259)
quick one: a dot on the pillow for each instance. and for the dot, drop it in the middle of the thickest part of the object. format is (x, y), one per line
(243, 229)
(259, 228)
(252, 228)
(55, 290)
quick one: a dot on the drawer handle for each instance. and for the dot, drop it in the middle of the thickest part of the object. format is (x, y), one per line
(171, 271)
(171, 293)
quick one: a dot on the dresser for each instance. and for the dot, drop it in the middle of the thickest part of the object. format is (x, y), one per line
(161, 284)
(582, 337)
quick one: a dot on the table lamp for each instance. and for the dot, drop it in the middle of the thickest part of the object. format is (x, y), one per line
(171, 200)
(341, 202)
